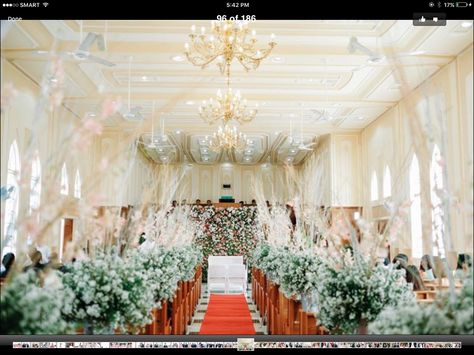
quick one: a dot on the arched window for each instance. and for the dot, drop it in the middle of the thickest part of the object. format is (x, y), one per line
(374, 187)
(12, 198)
(77, 185)
(35, 184)
(387, 183)
(436, 185)
(64, 181)
(415, 209)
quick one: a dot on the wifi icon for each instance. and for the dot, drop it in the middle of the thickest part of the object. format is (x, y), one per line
(45, 4)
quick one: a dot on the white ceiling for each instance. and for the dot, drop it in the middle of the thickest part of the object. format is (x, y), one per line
(309, 72)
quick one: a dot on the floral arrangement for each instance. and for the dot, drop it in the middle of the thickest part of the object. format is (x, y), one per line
(298, 273)
(446, 315)
(29, 308)
(109, 294)
(352, 291)
(294, 270)
(165, 267)
(228, 231)
(261, 251)
(188, 258)
(270, 259)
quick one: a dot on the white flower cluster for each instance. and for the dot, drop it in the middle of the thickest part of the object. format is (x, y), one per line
(294, 270)
(165, 267)
(352, 289)
(298, 273)
(444, 316)
(269, 259)
(344, 290)
(28, 308)
(189, 257)
(109, 293)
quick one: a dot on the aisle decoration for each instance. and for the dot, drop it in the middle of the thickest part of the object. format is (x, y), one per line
(352, 291)
(298, 274)
(164, 268)
(27, 307)
(270, 259)
(189, 257)
(447, 315)
(109, 294)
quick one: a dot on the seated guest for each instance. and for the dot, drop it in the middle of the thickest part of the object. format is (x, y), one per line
(198, 202)
(209, 203)
(413, 276)
(45, 255)
(268, 203)
(35, 258)
(402, 260)
(174, 203)
(464, 263)
(254, 203)
(241, 203)
(426, 267)
(7, 262)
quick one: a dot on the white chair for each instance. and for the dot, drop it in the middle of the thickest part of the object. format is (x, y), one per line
(222, 259)
(237, 278)
(216, 278)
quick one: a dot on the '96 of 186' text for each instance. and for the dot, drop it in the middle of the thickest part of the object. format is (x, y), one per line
(236, 18)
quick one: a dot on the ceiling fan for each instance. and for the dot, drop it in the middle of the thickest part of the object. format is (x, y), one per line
(131, 113)
(303, 146)
(374, 57)
(157, 141)
(83, 50)
(322, 115)
(299, 142)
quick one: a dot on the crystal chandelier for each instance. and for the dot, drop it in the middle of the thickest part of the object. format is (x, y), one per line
(227, 40)
(227, 107)
(228, 138)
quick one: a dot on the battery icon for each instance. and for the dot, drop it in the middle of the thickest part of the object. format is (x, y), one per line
(462, 4)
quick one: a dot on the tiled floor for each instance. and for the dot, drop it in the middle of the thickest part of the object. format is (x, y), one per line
(202, 306)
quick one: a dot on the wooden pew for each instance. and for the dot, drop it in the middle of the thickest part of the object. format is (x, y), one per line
(308, 324)
(263, 296)
(425, 294)
(282, 320)
(177, 311)
(254, 284)
(185, 305)
(293, 323)
(272, 307)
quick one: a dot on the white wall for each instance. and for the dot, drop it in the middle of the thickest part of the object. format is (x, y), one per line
(205, 182)
(443, 106)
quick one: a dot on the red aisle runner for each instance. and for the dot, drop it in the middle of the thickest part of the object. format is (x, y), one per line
(227, 314)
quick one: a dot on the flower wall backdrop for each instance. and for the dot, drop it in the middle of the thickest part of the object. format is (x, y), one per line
(228, 231)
